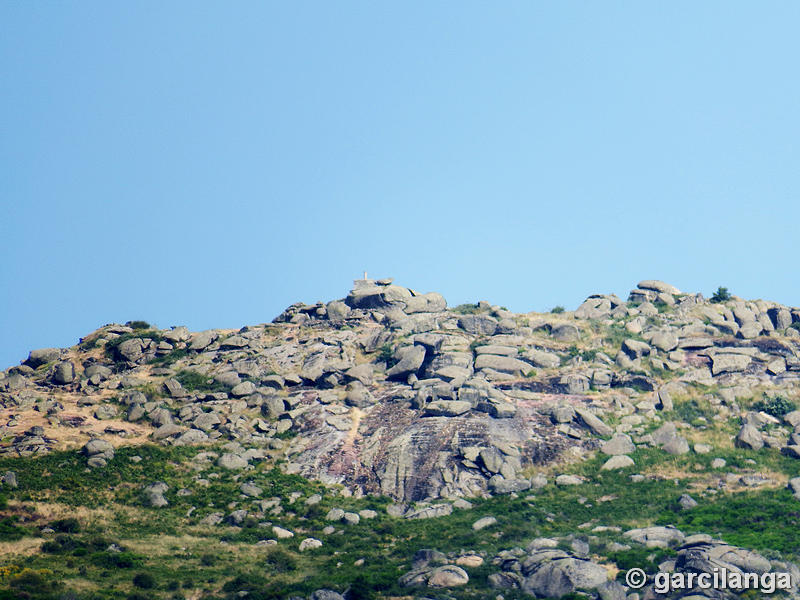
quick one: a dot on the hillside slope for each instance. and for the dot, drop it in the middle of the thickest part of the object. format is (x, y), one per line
(336, 447)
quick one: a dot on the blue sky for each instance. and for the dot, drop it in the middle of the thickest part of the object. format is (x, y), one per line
(208, 164)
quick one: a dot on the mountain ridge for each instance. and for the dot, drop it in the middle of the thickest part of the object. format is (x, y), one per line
(389, 393)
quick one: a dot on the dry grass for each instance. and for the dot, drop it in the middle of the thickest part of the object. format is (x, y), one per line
(51, 511)
(24, 547)
(716, 438)
(165, 545)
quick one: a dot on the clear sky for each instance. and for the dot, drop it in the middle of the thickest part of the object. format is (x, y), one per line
(209, 164)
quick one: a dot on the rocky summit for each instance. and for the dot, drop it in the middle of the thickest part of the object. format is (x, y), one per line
(386, 445)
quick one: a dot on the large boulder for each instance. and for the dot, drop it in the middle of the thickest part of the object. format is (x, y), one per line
(593, 422)
(667, 437)
(542, 359)
(656, 537)
(273, 407)
(781, 317)
(98, 452)
(500, 485)
(378, 297)
(130, 350)
(658, 286)
(664, 434)
(478, 324)
(42, 356)
(10, 479)
(447, 408)
(574, 383)
(552, 573)
(483, 523)
(431, 302)
(231, 461)
(676, 446)
(326, 595)
(63, 373)
(177, 334)
(617, 462)
(206, 421)
(504, 364)
(97, 373)
(202, 340)
(154, 494)
(243, 389)
(410, 360)
(435, 577)
(315, 367)
(635, 349)
(594, 308)
(566, 333)
(337, 310)
(362, 373)
(619, 444)
(664, 341)
(729, 363)
(448, 576)
(749, 438)
(794, 486)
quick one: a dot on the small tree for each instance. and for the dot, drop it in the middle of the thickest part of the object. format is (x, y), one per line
(721, 295)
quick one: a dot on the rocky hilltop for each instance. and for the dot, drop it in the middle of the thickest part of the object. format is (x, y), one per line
(390, 393)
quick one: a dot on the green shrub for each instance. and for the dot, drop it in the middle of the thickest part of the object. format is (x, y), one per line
(63, 544)
(171, 358)
(10, 531)
(144, 581)
(365, 585)
(386, 353)
(115, 560)
(586, 355)
(197, 382)
(138, 324)
(746, 519)
(245, 582)
(662, 306)
(692, 409)
(777, 406)
(69, 525)
(640, 557)
(33, 584)
(89, 343)
(556, 310)
(467, 309)
(721, 295)
(280, 561)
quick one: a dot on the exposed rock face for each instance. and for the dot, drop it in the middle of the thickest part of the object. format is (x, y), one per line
(389, 391)
(547, 572)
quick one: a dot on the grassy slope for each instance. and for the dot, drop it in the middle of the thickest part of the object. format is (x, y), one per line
(182, 559)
